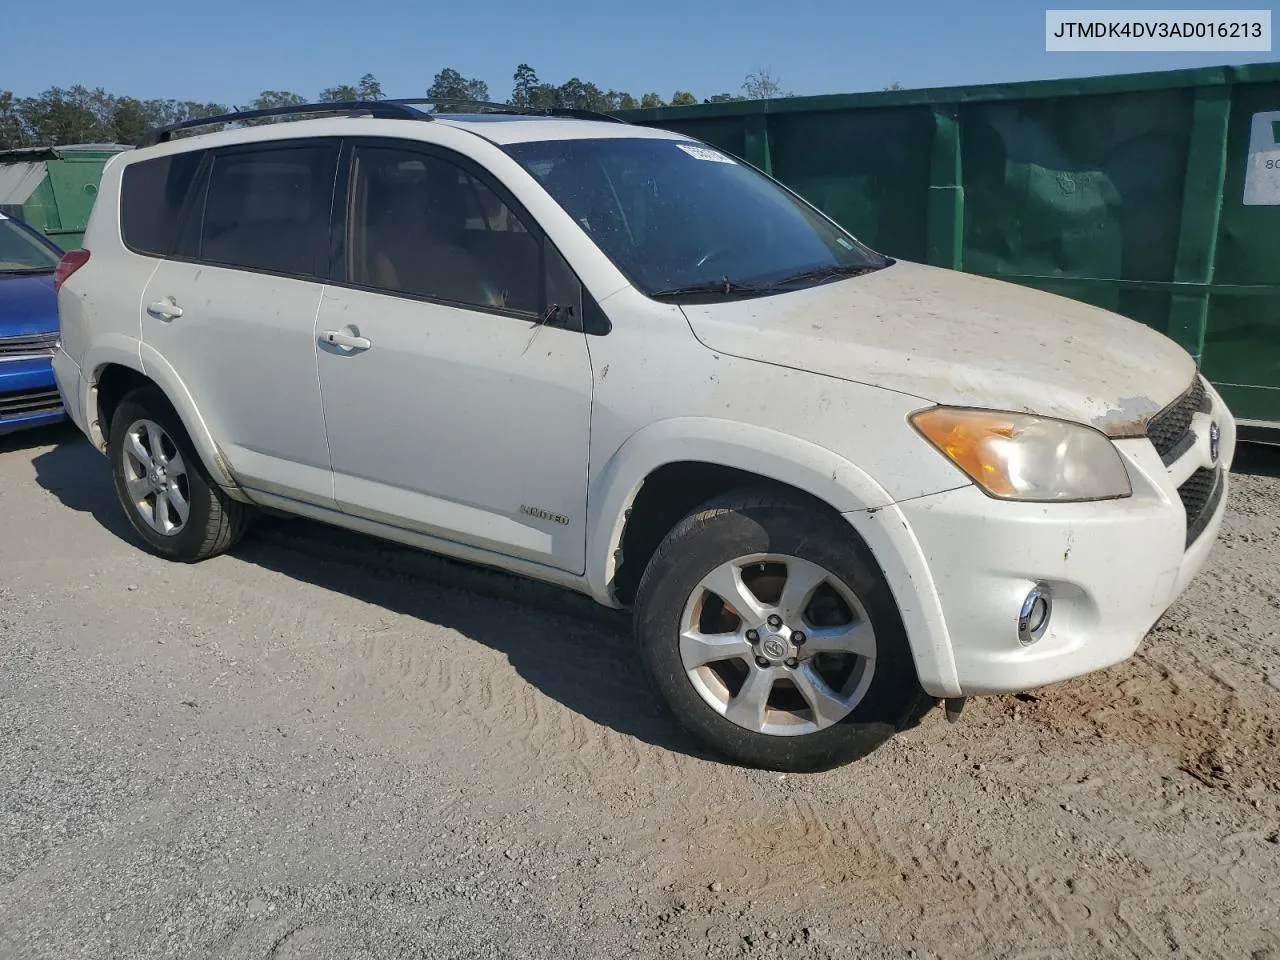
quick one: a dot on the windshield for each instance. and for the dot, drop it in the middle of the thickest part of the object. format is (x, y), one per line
(673, 214)
(23, 251)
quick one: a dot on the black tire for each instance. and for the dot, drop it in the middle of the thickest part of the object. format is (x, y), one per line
(215, 522)
(756, 522)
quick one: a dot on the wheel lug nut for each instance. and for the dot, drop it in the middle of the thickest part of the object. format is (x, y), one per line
(798, 638)
(752, 636)
(775, 621)
(761, 662)
(791, 662)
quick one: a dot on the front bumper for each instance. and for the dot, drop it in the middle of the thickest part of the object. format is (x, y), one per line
(28, 393)
(1112, 567)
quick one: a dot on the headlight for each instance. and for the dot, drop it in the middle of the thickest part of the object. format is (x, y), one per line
(1015, 456)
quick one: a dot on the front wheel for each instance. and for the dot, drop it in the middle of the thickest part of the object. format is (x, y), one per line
(169, 497)
(771, 633)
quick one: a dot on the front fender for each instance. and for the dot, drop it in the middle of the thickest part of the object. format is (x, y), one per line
(893, 543)
(757, 450)
(864, 504)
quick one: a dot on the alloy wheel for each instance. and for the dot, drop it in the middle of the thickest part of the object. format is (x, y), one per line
(156, 477)
(777, 645)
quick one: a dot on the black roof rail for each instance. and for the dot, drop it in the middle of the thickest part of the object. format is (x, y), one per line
(584, 114)
(382, 109)
(489, 106)
(402, 109)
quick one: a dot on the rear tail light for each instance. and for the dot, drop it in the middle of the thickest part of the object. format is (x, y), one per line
(71, 261)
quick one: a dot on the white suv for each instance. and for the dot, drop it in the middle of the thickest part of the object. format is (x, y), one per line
(833, 487)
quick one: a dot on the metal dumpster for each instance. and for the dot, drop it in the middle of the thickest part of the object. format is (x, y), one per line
(1156, 195)
(53, 188)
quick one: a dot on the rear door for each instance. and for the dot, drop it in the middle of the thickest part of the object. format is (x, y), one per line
(233, 310)
(450, 410)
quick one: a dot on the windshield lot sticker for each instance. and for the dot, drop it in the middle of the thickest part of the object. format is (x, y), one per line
(704, 153)
(1262, 175)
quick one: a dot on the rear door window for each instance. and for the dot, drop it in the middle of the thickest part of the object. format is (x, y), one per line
(267, 208)
(153, 198)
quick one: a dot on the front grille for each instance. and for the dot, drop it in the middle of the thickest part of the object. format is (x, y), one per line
(1200, 496)
(1170, 429)
(26, 346)
(29, 402)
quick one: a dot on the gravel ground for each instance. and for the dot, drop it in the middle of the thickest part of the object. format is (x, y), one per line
(322, 746)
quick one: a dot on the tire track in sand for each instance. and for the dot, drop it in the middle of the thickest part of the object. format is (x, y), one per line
(538, 680)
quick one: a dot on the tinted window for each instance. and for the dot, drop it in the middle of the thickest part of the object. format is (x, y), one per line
(268, 209)
(672, 213)
(152, 194)
(422, 226)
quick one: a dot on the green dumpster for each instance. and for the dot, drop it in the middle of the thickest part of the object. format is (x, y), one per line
(53, 188)
(1156, 195)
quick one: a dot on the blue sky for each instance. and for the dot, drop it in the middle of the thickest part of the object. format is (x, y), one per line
(230, 50)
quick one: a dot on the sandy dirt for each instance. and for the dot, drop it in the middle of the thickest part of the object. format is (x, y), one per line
(322, 746)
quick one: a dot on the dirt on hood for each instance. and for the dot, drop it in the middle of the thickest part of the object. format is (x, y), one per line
(953, 338)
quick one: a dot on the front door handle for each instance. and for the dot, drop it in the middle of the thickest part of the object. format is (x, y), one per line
(340, 339)
(164, 309)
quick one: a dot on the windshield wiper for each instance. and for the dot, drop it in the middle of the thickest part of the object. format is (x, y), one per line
(730, 288)
(24, 271)
(723, 287)
(828, 272)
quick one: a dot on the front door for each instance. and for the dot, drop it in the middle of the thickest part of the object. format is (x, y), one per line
(449, 409)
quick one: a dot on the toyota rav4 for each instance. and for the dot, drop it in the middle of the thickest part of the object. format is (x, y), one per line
(833, 487)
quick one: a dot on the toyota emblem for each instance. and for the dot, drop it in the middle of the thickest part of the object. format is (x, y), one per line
(774, 648)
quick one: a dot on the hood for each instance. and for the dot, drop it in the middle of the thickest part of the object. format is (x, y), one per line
(958, 339)
(27, 305)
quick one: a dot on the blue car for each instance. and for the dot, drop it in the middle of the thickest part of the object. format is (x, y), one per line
(28, 328)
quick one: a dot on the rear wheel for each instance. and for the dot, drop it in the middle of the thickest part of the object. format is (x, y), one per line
(168, 496)
(768, 629)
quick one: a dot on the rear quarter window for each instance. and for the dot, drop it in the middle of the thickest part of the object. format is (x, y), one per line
(153, 194)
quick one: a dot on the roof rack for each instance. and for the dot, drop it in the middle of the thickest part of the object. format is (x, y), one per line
(403, 109)
(382, 109)
(488, 106)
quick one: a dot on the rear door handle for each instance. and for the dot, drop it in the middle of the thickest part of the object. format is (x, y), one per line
(164, 309)
(340, 339)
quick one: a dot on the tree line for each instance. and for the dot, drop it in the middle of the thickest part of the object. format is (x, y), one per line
(80, 115)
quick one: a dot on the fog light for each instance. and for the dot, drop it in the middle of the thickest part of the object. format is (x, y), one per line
(1033, 618)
